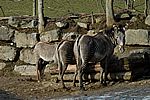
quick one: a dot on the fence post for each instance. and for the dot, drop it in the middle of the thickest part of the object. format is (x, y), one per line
(40, 16)
(34, 13)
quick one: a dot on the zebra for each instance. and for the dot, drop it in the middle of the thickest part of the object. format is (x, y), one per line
(44, 54)
(98, 48)
(64, 56)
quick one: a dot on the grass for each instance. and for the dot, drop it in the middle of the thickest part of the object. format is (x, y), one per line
(57, 8)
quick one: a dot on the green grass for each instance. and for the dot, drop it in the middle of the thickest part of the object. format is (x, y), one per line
(57, 8)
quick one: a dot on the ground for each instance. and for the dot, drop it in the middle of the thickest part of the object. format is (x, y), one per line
(27, 88)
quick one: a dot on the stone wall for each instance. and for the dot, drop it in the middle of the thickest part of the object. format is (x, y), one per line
(16, 44)
(18, 38)
(16, 47)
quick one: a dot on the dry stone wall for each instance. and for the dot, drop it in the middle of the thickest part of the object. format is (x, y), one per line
(16, 47)
(17, 43)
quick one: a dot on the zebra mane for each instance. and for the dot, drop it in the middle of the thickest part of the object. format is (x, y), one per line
(107, 34)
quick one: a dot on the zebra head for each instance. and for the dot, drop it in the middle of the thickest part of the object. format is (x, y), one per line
(119, 36)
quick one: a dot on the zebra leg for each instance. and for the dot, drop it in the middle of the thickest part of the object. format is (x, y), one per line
(37, 71)
(60, 69)
(75, 75)
(106, 71)
(80, 79)
(42, 69)
(102, 64)
(81, 72)
(62, 74)
(38, 75)
(78, 65)
(39, 65)
(102, 76)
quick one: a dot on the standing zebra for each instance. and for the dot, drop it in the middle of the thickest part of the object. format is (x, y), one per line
(64, 56)
(98, 48)
(44, 54)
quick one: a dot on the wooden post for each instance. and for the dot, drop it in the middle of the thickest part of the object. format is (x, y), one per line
(40, 16)
(34, 7)
(92, 18)
(34, 13)
(109, 13)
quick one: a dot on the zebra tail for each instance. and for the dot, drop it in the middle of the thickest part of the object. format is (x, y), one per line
(58, 56)
(78, 52)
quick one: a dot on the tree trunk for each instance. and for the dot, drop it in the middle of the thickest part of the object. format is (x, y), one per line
(40, 16)
(34, 13)
(34, 7)
(109, 13)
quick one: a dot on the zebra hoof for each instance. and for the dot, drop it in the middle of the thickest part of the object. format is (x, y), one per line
(104, 84)
(82, 89)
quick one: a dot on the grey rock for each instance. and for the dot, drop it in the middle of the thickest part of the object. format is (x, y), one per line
(7, 53)
(83, 25)
(125, 15)
(137, 37)
(25, 39)
(25, 69)
(61, 24)
(2, 65)
(50, 36)
(21, 21)
(13, 21)
(147, 20)
(133, 19)
(6, 33)
(27, 56)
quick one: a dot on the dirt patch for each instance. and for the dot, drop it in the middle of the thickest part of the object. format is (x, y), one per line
(26, 87)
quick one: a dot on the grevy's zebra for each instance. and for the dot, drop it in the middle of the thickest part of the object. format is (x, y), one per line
(98, 48)
(43, 52)
(64, 55)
